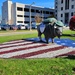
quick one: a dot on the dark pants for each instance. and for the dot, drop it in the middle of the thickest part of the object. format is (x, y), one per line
(39, 33)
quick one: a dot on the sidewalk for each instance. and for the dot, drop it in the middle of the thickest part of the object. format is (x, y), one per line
(16, 33)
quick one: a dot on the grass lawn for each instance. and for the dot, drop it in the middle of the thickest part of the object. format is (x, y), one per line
(14, 35)
(45, 66)
(67, 33)
(29, 35)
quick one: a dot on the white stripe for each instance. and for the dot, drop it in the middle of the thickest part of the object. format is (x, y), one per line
(8, 55)
(14, 44)
(13, 41)
(53, 53)
(17, 47)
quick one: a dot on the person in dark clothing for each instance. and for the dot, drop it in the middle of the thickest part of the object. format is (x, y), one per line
(72, 23)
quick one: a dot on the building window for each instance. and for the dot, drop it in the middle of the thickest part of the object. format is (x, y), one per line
(32, 10)
(20, 21)
(37, 11)
(55, 10)
(72, 6)
(45, 17)
(66, 4)
(41, 11)
(66, 17)
(55, 2)
(47, 12)
(44, 12)
(26, 21)
(61, 8)
(56, 15)
(26, 9)
(55, 6)
(19, 15)
(61, 15)
(72, 14)
(61, 20)
(32, 16)
(61, 1)
(26, 16)
(19, 9)
(51, 13)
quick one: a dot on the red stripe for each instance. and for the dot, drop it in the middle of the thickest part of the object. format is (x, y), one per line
(69, 53)
(38, 52)
(20, 49)
(16, 45)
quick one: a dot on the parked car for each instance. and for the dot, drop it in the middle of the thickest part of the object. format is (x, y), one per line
(27, 26)
(5, 27)
(21, 27)
(33, 26)
(13, 27)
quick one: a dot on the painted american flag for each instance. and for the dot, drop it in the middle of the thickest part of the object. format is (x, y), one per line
(31, 49)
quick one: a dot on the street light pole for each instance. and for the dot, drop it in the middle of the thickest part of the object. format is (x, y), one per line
(30, 14)
(42, 15)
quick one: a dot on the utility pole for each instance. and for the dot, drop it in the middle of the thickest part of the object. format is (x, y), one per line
(30, 14)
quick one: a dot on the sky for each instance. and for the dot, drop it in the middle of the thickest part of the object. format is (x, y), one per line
(43, 3)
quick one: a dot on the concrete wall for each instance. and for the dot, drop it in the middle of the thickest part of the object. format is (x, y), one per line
(58, 10)
(11, 15)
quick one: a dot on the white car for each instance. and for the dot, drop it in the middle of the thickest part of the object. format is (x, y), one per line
(0, 27)
(21, 27)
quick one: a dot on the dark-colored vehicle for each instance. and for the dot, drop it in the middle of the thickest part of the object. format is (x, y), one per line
(5, 27)
(13, 27)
